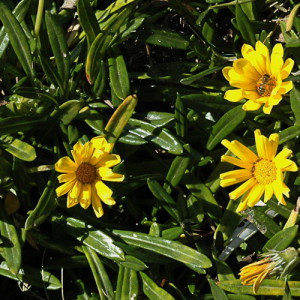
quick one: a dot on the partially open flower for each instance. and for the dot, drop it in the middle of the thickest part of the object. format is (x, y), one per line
(83, 178)
(262, 172)
(259, 77)
(274, 263)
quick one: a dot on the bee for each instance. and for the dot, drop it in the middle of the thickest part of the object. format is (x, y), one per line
(262, 84)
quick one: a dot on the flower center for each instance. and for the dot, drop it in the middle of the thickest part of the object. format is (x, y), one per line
(86, 173)
(265, 85)
(265, 171)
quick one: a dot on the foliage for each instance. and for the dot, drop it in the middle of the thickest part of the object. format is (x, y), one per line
(64, 70)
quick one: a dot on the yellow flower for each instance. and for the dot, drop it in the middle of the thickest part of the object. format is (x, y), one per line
(83, 178)
(262, 172)
(274, 263)
(259, 77)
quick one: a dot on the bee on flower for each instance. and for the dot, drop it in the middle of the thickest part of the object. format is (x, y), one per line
(261, 173)
(273, 263)
(83, 178)
(259, 77)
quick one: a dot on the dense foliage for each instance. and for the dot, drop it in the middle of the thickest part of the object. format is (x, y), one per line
(66, 69)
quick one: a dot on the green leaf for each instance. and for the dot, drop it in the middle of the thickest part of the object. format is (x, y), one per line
(225, 125)
(17, 39)
(287, 134)
(180, 116)
(191, 79)
(19, 12)
(119, 119)
(295, 104)
(268, 287)
(282, 239)
(88, 20)
(164, 198)
(158, 136)
(168, 39)
(91, 237)
(192, 258)
(244, 25)
(19, 123)
(133, 263)
(217, 292)
(59, 47)
(36, 277)
(45, 205)
(118, 75)
(99, 273)
(127, 285)
(152, 290)
(18, 148)
(10, 247)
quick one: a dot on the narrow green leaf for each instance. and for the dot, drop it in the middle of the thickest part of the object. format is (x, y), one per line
(268, 287)
(192, 258)
(17, 39)
(133, 263)
(225, 125)
(282, 239)
(180, 116)
(191, 79)
(158, 136)
(19, 12)
(153, 291)
(91, 237)
(168, 39)
(59, 46)
(165, 199)
(288, 134)
(217, 292)
(45, 204)
(177, 169)
(18, 148)
(99, 273)
(118, 74)
(35, 277)
(295, 104)
(244, 25)
(11, 247)
(291, 18)
(127, 285)
(88, 20)
(119, 119)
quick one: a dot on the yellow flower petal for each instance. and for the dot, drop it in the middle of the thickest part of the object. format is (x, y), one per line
(264, 51)
(286, 165)
(96, 203)
(225, 72)
(100, 142)
(240, 151)
(72, 201)
(65, 165)
(268, 192)
(251, 105)
(234, 95)
(108, 175)
(255, 194)
(285, 87)
(242, 189)
(76, 190)
(66, 177)
(237, 162)
(287, 68)
(76, 153)
(103, 191)
(65, 188)
(277, 60)
(85, 196)
(109, 160)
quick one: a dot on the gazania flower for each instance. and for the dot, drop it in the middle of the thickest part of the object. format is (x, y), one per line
(259, 77)
(274, 263)
(262, 172)
(83, 178)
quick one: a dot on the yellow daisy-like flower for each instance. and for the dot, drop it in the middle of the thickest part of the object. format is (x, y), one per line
(83, 178)
(262, 172)
(274, 263)
(259, 77)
